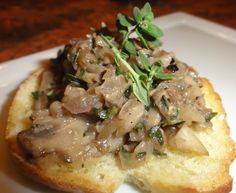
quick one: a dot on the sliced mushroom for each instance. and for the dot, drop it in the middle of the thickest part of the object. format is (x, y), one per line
(50, 138)
(129, 115)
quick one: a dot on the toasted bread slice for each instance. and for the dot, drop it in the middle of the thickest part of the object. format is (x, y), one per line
(175, 173)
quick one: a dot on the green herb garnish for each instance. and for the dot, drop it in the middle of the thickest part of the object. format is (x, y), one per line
(139, 128)
(164, 102)
(138, 89)
(101, 113)
(148, 35)
(112, 111)
(210, 116)
(73, 57)
(141, 25)
(105, 113)
(36, 94)
(141, 155)
(155, 133)
(127, 92)
(50, 93)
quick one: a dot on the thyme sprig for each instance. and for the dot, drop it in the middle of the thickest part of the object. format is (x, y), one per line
(142, 26)
(148, 35)
(138, 89)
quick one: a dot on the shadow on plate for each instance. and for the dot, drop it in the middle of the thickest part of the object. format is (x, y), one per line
(7, 168)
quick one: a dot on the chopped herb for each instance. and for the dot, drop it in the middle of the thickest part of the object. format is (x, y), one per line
(164, 102)
(50, 93)
(36, 94)
(141, 155)
(101, 113)
(139, 128)
(159, 73)
(176, 124)
(155, 133)
(210, 116)
(158, 153)
(118, 71)
(112, 112)
(124, 150)
(75, 81)
(127, 92)
(105, 113)
(73, 57)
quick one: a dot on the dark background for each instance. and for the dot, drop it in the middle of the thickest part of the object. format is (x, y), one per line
(28, 26)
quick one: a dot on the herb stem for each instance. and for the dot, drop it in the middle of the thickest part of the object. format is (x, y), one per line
(150, 79)
(139, 90)
(117, 53)
(127, 36)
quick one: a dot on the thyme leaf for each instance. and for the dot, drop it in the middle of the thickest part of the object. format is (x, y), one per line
(155, 133)
(36, 94)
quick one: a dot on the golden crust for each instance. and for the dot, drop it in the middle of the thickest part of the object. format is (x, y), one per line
(18, 120)
(38, 175)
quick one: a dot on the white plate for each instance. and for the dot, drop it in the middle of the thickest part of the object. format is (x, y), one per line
(209, 47)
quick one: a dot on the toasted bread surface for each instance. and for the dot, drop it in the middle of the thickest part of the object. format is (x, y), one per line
(175, 173)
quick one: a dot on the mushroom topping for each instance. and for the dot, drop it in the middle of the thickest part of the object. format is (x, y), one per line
(77, 100)
(122, 96)
(113, 90)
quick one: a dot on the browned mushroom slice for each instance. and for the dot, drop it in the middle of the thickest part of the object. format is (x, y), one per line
(68, 141)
